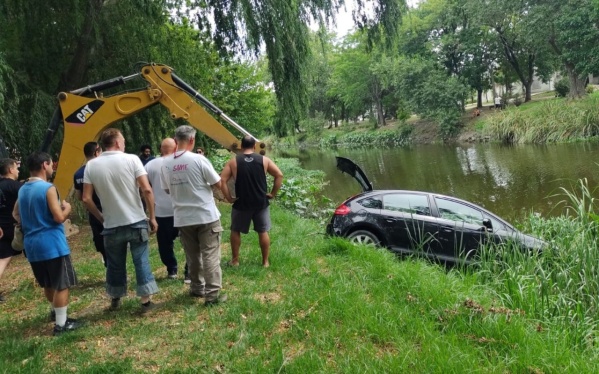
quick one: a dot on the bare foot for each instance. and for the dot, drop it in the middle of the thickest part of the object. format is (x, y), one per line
(233, 264)
(265, 264)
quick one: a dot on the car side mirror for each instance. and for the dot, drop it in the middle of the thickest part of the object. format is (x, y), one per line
(488, 225)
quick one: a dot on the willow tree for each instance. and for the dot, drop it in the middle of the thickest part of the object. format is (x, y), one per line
(67, 44)
(281, 29)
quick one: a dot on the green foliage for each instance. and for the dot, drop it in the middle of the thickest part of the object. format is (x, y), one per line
(546, 122)
(590, 89)
(562, 87)
(92, 41)
(559, 286)
(449, 122)
(431, 93)
(398, 137)
(301, 191)
(313, 126)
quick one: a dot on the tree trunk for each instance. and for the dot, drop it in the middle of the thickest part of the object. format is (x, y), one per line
(527, 93)
(577, 83)
(75, 76)
(378, 102)
(479, 98)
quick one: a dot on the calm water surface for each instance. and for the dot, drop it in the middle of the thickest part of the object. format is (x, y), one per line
(508, 180)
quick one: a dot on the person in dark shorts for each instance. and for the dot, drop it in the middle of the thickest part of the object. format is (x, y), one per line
(91, 150)
(251, 203)
(41, 215)
(9, 189)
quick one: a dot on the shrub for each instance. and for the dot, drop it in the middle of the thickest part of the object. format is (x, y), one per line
(562, 87)
(590, 89)
(314, 126)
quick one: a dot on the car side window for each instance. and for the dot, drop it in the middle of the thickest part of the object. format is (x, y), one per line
(373, 202)
(407, 203)
(455, 211)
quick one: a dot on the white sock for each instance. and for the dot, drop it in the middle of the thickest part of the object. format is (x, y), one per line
(61, 316)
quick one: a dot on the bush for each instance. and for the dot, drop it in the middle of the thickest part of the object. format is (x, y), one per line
(314, 126)
(590, 89)
(562, 87)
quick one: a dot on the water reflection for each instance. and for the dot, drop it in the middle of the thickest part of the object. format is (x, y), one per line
(509, 180)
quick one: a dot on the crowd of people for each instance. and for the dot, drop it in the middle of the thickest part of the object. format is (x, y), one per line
(170, 195)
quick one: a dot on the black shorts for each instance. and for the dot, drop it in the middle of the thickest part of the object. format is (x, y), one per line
(240, 220)
(57, 273)
(6, 250)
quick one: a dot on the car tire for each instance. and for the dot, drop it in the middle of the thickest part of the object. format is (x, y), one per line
(364, 237)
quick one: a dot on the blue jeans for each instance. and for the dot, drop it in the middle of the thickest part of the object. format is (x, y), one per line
(115, 244)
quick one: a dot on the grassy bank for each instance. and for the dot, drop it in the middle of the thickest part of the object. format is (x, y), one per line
(545, 119)
(557, 120)
(323, 306)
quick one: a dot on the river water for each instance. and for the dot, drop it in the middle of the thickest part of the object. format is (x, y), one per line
(511, 181)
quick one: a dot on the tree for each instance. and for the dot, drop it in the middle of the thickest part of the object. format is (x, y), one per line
(430, 93)
(280, 26)
(458, 42)
(43, 51)
(570, 29)
(510, 21)
(355, 80)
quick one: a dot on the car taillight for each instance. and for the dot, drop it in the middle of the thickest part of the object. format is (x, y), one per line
(342, 210)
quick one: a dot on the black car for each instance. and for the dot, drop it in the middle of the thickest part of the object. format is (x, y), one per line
(413, 222)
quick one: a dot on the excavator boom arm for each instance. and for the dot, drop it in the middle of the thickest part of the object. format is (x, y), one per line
(85, 115)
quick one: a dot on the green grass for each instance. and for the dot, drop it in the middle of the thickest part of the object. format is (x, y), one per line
(547, 121)
(323, 306)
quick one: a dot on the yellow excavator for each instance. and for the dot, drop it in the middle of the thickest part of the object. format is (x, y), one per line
(85, 113)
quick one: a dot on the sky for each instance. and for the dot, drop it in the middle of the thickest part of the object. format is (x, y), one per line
(345, 22)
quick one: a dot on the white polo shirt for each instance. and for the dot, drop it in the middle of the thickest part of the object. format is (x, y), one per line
(189, 178)
(114, 177)
(164, 203)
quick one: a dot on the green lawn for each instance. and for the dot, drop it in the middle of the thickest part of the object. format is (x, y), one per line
(323, 306)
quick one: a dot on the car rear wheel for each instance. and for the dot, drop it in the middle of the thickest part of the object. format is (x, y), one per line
(364, 237)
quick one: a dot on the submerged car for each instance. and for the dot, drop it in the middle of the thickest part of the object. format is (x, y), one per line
(441, 227)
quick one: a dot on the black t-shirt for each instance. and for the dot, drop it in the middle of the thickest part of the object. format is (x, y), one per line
(250, 183)
(9, 192)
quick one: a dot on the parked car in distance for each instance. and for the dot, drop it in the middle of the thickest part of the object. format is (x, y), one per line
(441, 227)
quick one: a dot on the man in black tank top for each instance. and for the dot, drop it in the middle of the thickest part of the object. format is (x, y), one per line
(251, 200)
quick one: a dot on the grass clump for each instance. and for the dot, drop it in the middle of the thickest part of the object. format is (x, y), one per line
(559, 286)
(549, 121)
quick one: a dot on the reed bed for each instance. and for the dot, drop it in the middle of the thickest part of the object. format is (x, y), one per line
(560, 286)
(552, 121)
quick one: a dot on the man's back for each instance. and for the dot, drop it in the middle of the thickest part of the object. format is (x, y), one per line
(114, 178)
(164, 203)
(250, 182)
(189, 178)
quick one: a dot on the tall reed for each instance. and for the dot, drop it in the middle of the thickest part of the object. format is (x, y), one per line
(560, 286)
(546, 122)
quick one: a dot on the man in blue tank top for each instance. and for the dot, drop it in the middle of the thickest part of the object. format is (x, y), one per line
(251, 200)
(42, 214)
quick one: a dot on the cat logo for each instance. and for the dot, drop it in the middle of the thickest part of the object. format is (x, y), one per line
(83, 114)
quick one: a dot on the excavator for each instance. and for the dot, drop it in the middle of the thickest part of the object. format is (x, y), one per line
(85, 113)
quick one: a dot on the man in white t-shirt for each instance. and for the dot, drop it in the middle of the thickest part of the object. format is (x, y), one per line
(189, 178)
(117, 178)
(167, 232)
